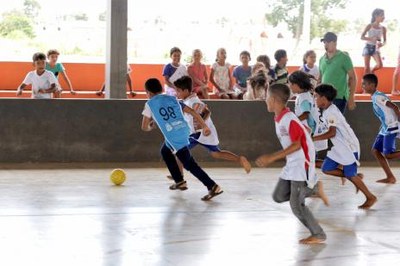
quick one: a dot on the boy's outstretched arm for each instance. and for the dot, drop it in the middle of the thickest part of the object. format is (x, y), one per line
(329, 134)
(199, 119)
(265, 160)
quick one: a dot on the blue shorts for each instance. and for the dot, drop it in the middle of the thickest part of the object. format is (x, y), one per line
(193, 141)
(348, 170)
(369, 49)
(385, 144)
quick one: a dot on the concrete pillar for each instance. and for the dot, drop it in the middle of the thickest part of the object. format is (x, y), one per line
(116, 65)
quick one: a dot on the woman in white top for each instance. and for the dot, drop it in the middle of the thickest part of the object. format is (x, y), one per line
(375, 36)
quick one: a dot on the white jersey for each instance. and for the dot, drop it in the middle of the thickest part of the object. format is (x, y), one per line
(211, 139)
(300, 165)
(305, 103)
(386, 115)
(43, 82)
(313, 71)
(345, 142)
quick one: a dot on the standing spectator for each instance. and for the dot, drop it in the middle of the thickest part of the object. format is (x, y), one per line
(198, 72)
(58, 69)
(396, 76)
(220, 76)
(309, 66)
(336, 68)
(281, 72)
(43, 82)
(376, 32)
(173, 71)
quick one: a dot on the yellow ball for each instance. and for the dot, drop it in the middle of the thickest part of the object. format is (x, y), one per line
(118, 176)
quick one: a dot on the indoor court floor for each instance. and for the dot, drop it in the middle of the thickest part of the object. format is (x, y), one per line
(76, 217)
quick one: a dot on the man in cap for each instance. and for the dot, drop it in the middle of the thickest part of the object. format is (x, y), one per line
(337, 69)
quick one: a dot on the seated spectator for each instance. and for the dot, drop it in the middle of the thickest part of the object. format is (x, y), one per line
(43, 82)
(257, 84)
(280, 69)
(267, 63)
(198, 72)
(128, 81)
(241, 73)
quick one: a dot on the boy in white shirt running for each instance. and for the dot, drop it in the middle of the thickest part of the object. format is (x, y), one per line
(183, 87)
(346, 147)
(298, 179)
(44, 83)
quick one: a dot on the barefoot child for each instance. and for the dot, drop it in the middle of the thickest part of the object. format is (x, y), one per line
(346, 148)
(388, 113)
(298, 178)
(184, 91)
(167, 113)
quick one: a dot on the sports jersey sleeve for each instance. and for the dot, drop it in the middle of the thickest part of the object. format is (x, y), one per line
(182, 104)
(28, 79)
(147, 111)
(331, 120)
(296, 132)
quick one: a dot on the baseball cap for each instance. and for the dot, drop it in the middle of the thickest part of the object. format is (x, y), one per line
(329, 37)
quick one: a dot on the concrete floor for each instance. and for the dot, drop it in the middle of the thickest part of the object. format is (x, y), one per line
(77, 217)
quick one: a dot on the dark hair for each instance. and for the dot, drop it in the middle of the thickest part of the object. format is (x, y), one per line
(371, 78)
(153, 85)
(264, 59)
(375, 13)
(174, 50)
(279, 54)
(280, 91)
(184, 83)
(38, 56)
(301, 79)
(53, 51)
(307, 54)
(327, 91)
(259, 79)
(245, 53)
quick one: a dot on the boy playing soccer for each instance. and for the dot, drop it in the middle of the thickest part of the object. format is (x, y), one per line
(298, 178)
(346, 148)
(167, 112)
(44, 83)
(388, 113)
(184, 91)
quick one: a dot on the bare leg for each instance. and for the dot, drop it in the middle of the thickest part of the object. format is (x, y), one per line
(371, 199)
(204, 91)
(230, 156)
(394, 81)
(367, 68)
(390, 178)
(378, 60)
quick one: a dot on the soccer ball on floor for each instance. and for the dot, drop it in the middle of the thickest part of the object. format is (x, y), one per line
(118, 176)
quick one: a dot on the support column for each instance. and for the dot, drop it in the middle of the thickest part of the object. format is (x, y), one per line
(116, 65)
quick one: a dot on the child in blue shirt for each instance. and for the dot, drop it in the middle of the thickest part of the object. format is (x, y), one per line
(388, 113)
(165, 111)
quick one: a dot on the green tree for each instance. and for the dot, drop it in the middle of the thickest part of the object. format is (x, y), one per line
(14, 23)
(291, 12)
(31, 9)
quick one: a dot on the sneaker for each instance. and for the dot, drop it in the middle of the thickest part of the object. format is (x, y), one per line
(215, 191)
(180, 185)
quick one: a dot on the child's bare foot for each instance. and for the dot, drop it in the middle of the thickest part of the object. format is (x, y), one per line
(321, 193)
(388, 180)
(368, 203)
(245, 164)
(312, 240)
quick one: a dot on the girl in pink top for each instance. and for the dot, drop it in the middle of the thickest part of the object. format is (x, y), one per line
(198, 72)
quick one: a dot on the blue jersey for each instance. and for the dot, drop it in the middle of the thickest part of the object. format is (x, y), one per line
(167, 112)
(386, 115)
